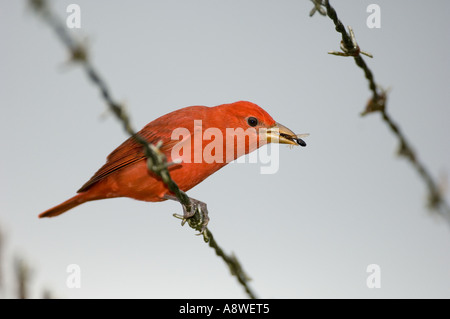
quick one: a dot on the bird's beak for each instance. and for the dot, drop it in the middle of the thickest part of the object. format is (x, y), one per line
(282, 135)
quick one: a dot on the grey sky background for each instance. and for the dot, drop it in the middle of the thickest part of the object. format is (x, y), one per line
(308, 231)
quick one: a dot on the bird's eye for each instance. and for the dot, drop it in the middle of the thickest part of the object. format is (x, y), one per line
(252, 121)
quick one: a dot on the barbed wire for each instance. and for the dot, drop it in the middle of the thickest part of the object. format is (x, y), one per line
(195, 212)
(377, 103)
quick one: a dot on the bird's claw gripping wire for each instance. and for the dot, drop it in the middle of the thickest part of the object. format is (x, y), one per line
(196, 215)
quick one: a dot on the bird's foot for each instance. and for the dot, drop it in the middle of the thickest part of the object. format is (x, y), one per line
(196, 215)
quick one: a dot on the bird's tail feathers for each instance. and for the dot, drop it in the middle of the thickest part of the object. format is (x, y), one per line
(65, 206)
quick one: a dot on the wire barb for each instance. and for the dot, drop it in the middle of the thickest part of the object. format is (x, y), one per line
(318, 7)
(354, 50)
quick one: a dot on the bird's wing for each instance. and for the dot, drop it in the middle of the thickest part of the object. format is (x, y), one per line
(129, 152)
(161, 129)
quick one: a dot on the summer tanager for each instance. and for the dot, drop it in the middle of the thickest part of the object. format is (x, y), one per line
(125, 173)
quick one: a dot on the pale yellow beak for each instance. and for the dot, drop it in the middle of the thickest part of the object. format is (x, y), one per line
(282, 135)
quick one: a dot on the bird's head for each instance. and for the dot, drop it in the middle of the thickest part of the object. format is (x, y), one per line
(248, 116)
(223, 133)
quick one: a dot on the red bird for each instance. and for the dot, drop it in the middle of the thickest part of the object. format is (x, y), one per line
(125, 173)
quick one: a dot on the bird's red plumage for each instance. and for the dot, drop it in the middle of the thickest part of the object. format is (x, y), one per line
(125, 172)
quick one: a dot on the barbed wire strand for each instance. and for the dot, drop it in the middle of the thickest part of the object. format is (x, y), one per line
(156, 160)
(377, 103)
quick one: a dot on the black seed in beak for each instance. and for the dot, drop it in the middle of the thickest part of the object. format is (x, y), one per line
(300, 141)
